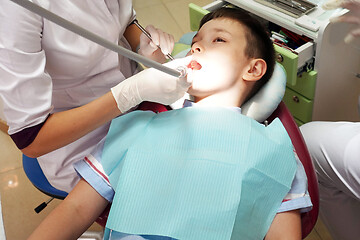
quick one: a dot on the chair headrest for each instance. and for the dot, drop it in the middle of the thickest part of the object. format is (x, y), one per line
(266, 100)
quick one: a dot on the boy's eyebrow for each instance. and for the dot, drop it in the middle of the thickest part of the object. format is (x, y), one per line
(221, 30)
(217, 30)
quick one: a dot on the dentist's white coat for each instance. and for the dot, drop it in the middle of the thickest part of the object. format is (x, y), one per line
(45, 69)
(335, 150)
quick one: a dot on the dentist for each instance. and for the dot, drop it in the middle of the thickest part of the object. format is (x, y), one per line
(335, 150)
(55, 84)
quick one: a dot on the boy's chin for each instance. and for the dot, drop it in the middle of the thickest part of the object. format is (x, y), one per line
(196, 92)
(193, 92)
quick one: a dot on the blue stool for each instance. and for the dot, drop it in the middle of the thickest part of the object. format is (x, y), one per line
(37, 178)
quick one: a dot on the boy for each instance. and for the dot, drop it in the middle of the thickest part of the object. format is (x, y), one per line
(232, 57)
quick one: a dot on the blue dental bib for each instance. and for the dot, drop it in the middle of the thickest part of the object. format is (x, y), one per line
(196, 173)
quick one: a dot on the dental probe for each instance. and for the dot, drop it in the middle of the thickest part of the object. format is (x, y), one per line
(180, 72)
(147, 34)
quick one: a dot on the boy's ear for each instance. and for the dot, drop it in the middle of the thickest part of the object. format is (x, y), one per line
(255, 69)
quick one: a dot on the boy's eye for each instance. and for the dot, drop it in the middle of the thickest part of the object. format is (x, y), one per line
(219, 40)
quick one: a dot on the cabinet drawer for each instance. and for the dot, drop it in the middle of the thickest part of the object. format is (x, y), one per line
(294, 60)
(305, 84)
(289, 61)
(299, 106)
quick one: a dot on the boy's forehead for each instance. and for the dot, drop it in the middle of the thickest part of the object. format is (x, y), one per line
(223, 25)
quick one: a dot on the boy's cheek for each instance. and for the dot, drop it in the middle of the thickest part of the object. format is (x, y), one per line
(196, 79)
(190, 75)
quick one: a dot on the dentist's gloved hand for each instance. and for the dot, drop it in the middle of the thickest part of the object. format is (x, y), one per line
(151, 85)
(150, 48)
(352, 17)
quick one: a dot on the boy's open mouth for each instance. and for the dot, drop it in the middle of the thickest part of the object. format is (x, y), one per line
(194, 65)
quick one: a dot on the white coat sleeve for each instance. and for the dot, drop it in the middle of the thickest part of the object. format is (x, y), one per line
(25, 87)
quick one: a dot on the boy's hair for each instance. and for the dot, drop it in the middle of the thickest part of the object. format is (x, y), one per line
(258, 43)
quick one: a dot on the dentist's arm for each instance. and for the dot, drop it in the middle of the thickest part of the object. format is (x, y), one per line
(63, 128)
(132, 35)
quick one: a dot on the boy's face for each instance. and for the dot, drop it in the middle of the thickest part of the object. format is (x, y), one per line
(218, 50)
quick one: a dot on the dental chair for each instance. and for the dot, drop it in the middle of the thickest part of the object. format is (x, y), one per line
(264, 107)
(308, 219)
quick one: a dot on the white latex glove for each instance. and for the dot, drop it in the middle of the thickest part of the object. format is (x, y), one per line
(352, 17)
(150, 48)
(152, 85)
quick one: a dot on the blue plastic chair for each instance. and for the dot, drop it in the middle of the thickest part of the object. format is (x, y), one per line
(37, 178)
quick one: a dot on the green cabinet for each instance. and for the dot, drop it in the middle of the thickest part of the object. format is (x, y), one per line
(300, 88)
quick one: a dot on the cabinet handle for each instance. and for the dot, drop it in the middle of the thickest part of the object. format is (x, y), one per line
(296, 99)
(279, 58)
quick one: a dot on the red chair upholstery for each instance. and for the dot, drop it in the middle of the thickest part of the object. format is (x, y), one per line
(308, 220)
(152, 106)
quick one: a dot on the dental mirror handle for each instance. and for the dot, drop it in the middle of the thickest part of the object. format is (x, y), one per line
(95, 38)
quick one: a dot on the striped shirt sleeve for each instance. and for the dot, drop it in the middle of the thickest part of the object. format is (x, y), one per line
(298, 196)
(91, 170)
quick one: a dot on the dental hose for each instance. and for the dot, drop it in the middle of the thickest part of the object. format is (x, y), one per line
(179, 72)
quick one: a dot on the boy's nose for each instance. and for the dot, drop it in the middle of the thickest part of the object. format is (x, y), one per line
(196, 48)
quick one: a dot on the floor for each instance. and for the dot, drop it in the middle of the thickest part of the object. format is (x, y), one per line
(19, 197)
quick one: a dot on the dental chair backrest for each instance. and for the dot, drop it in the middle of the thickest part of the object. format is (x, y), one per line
(308, 219)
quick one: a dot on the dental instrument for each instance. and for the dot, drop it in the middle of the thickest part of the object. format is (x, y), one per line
(179, 72)
(147, 34)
